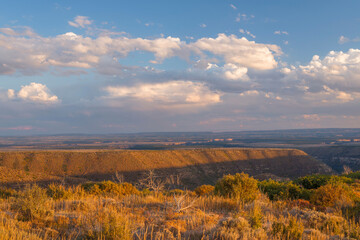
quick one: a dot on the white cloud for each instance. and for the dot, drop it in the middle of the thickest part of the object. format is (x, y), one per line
(203, 25)
(250, 93)
(243, 17)
(339, 68)
(32, 55)
(11, 93)
(34, 92)
(344, 39)
(278, 32)
(80, 22)
(234, 72)
(240, 51)
(330, 96)
(233, 6)
(314, 117)
(173, 93)
(247, 32)
(261, 94)
(21, 31)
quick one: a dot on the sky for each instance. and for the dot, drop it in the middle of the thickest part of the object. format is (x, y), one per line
(111, 66)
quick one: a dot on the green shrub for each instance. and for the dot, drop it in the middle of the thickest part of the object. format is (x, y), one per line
(110, 188)
(316, 181)
(239, 186)
(204, 190)
(58, 192)
(32, 203)
(283, 190)
(353, 175)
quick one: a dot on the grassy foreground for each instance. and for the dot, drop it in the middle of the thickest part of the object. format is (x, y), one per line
(237, 207)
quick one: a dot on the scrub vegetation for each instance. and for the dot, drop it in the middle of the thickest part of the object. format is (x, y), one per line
(236, 207)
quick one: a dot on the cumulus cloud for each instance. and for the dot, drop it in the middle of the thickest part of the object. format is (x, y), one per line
(340, 69)
(173, 93)
(234, 72)
(80, 22)
(240, 51)
(34, 92)
(33, 55)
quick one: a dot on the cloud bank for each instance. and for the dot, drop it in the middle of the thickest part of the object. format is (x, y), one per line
(228, 83)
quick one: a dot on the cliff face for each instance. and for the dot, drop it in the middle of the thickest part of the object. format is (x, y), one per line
(195, 166)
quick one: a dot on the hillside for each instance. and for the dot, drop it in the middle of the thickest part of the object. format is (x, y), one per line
(337, 156)
(194, 166)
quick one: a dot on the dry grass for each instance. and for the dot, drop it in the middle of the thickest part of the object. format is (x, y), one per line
(89, 216)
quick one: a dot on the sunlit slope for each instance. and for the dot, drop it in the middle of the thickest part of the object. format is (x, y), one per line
(195, 165)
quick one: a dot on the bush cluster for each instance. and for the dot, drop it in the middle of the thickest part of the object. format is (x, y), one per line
(239, 186)
(110, 188)
(283, 190)
(316, 181)
(204, 190)
(32, 203)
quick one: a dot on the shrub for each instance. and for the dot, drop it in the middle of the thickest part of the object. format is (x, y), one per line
(352, 212)
(354, 231)
(353, 175)
(302, 204)
(32, 203)
(204, 190)
(256, 217)
(283, 190)
(175, 192)
(58, 192)
(316, 181)
(238, 223)
(108, 187)
(332, 195)
(334, 225)
(5, 193)
(239, 186)
(128, 189)
(232, 228)
(292, 231)
(106, 224)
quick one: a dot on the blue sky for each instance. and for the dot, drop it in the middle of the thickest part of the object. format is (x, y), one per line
(133, 66)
